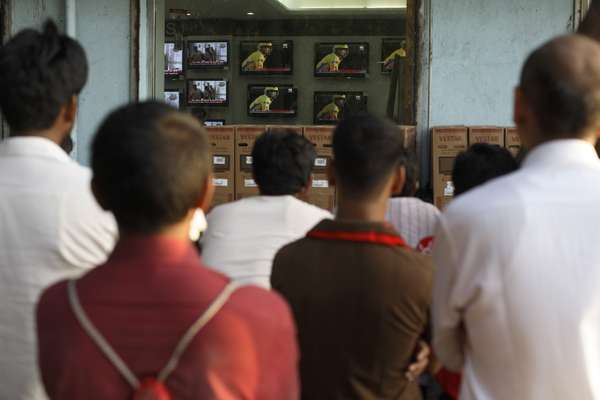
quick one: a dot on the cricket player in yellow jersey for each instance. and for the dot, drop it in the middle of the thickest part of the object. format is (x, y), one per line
(331, 112)
(263, 103)
(331, 62)
(256, 60)
(388, 63)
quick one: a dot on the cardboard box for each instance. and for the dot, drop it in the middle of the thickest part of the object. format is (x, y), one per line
(513, 141)
(447, 143)
(222, 153)
(321, 194)
(245, 136)
(409, 138)
(486, 134)
(297, 128)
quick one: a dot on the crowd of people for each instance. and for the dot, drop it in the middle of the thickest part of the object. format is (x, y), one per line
(103, 295)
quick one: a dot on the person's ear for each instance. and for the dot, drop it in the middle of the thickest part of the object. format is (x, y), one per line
(303, 194)
(331, 166)
(71, 111)
(98, 195)
(398, 180)
(207, 194)
(524, 119)
(519, 117)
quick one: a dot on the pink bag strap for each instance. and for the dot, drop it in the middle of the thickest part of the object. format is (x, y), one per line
(182, 345)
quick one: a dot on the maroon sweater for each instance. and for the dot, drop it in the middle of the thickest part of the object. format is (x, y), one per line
(143, 300)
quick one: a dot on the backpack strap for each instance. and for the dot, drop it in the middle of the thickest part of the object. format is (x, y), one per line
(183, 344)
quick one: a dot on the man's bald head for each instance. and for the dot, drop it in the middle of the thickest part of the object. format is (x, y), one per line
(560, 83)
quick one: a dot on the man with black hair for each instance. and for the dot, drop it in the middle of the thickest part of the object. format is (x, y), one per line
(481, 163)
(152, 170)
(516, 295)
(51, 226)
(359, 295)
(412, 217)
(243, 236)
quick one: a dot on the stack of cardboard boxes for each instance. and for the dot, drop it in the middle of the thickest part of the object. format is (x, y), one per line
(231, 154)
(322, 193)
(222, 153)
(448, 142)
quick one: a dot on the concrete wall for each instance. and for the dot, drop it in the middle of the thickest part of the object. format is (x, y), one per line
(103, 28)
(478, 47)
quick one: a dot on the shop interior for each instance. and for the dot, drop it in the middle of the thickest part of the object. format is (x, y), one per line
(292, 62)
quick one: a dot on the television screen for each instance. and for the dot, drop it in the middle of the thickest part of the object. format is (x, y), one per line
(342, 59)
(173, 98)
(332, 107)
(390, 48)
(281, 100)
(173, 60)
(208, 92)
(214, 122)
(208, 54)
(267, 57)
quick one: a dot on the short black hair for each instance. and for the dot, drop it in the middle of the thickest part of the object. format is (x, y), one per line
(411, 167)
(39, 73)
(149, 163)
(282, 161)
(561, 82)
(366, 151)
(480, 163)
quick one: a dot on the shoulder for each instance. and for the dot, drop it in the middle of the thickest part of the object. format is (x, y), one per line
(225, 211)
(310, 210)
(495, 196)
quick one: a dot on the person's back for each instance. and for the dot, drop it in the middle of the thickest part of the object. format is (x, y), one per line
(152, 170)
(517, 259)
(359, 295)
(412, 217)
(243, 237)
(50, 224)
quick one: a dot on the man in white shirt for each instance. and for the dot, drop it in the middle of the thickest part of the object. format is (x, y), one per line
(243, 237)
(51, 227)
(413, 218)
(517, 286)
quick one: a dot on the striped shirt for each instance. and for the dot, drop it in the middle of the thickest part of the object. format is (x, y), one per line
(413, 218)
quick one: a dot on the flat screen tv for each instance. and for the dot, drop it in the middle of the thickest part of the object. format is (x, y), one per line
(208, 92)
(332, 107)
(173, 61)
(342, 59)
(390, 48)
(267, 57)
(272, 100)
(207, 54)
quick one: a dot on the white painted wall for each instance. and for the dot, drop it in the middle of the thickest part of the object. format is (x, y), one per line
(478, 49)
(103, 27)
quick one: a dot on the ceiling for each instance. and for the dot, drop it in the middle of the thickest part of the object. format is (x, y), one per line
(286, 9)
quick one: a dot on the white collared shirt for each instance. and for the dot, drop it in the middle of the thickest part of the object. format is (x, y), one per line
(243, 237)
(517, 286)
(413, 218)
(51, 228)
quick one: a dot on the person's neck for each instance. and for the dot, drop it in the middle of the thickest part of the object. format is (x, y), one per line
(350, 209)
(52, 134)
(179, 232)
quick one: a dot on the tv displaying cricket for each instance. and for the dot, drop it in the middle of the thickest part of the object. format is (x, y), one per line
(267, 57)
(272, 100)
(332, 107)
(341, 59)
